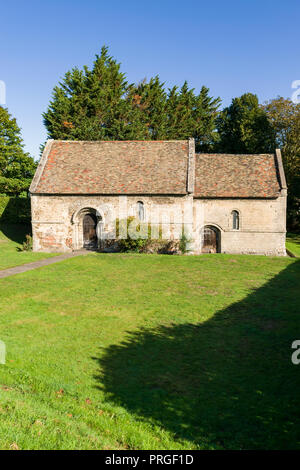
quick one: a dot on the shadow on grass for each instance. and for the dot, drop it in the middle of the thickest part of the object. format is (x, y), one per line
(15, 218)
(295, 237)
(225, 383)
(15, 232)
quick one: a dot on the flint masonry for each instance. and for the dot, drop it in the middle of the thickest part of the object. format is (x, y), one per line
(231, 203)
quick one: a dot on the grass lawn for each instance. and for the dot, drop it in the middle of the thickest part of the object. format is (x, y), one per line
(293, 243)
(11, 239)
(151, 352)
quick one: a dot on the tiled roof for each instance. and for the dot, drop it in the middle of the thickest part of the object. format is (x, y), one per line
(113, 167)
(153, 167)
(236, 176)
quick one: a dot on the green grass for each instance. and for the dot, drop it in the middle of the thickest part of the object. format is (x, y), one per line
(11, 239)
(151, 352)
(293, 243)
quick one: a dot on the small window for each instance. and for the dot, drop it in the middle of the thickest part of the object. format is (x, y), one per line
(235, 220)
(140, 210)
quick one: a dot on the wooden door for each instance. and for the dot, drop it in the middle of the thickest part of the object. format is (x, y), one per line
(209, 240)
(89, 231)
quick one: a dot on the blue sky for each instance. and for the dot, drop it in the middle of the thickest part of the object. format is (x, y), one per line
(230, 46)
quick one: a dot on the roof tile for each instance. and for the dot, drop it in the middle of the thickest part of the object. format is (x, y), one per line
(106, 167)
(236, 176)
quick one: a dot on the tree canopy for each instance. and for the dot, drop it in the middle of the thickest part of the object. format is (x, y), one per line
(99, 104)
(16, 166)
(244, 127)
(248, 127)
(284, 116)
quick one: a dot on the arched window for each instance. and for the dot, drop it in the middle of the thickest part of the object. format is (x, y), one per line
(235, 220)
(140, 210)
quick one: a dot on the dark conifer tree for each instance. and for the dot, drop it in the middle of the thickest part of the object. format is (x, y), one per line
(99, 104)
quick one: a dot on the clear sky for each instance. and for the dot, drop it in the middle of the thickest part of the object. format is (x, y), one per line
(231, 46)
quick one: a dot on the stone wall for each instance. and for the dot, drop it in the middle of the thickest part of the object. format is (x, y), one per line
(262, 224)
(57, 220)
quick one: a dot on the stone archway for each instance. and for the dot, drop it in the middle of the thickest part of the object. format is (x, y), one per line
(210, 239)
(87, 223)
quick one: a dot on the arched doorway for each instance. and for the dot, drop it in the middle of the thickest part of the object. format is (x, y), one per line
(211, 239)
(89, 222)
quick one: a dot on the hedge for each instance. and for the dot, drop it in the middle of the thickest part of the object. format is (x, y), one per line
(15, 210)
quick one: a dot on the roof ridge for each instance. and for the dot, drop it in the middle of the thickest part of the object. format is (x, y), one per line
(236, 154)
(41, 166)
(117, 141)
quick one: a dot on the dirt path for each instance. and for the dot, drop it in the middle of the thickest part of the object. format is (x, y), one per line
(38, 264)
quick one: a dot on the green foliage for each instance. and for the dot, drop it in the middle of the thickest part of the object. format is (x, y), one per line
(130, 244)
(243, 127)
(87, 104)
(175, 113)
(138, 243)
(14, 186)
(247, 127)
(15, 210)
(99, 104)
(27, 244)
(183, 243)
(284, 116)
(16, 166)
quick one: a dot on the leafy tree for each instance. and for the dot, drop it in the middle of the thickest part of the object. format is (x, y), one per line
(99, 104)
(244, 127)
(284, 115)
(16, 166)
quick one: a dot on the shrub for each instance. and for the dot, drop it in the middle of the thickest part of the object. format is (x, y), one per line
(170, 247)
(132, 244)
(144, 243)
(27, 244)
(136, 244)
(183, 243)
